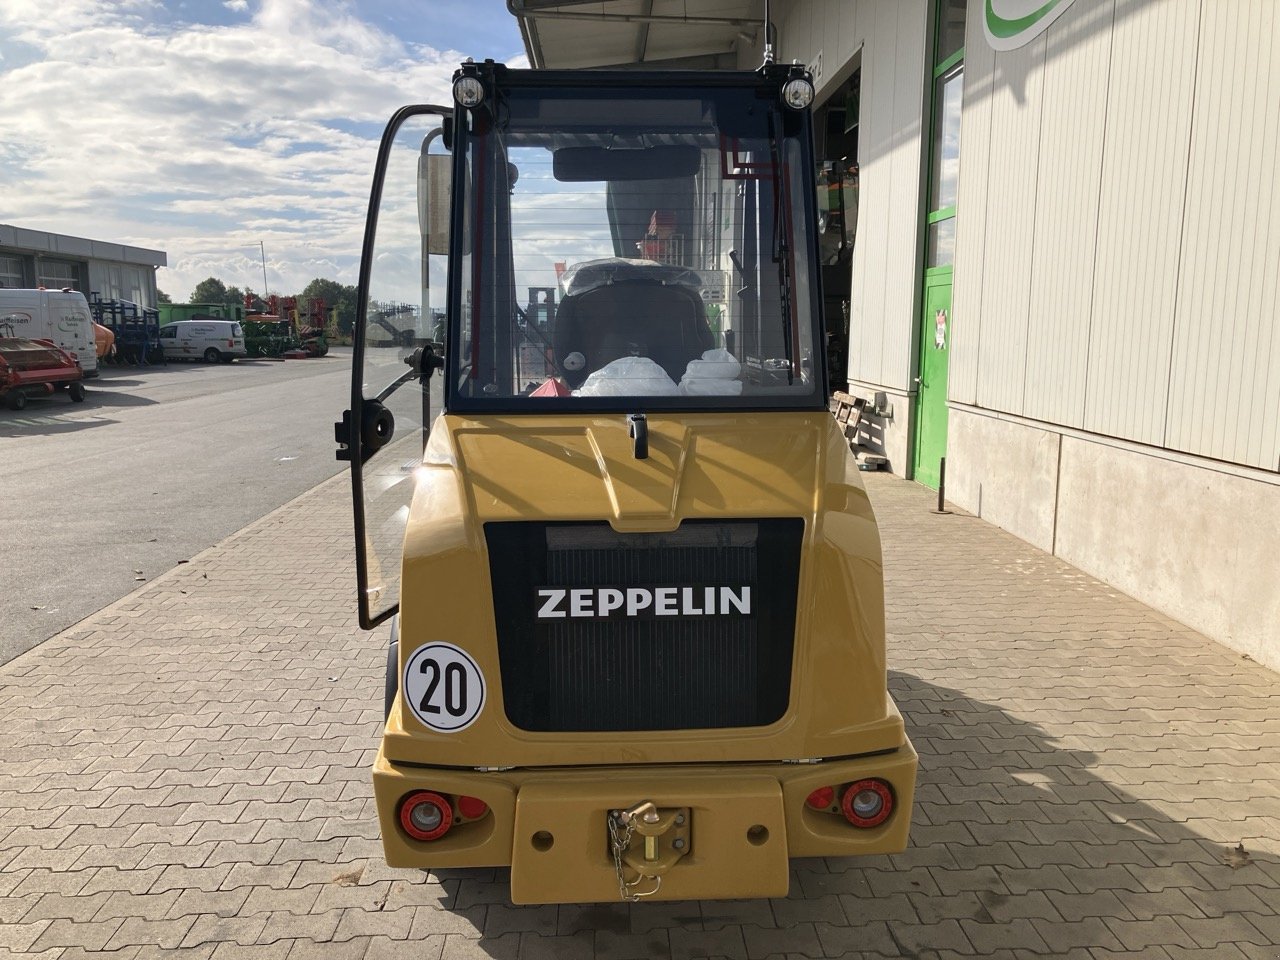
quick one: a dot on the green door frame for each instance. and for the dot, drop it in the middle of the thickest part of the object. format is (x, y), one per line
(929, 425)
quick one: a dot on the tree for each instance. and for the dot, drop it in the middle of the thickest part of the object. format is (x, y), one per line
(335, 294)
(235, 297)
(162, 297)
(209, 290)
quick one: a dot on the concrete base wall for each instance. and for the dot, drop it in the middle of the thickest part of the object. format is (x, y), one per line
(1004, 473)
(1190, 539)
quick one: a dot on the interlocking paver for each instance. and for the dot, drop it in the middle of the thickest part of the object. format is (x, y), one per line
(1085, 765)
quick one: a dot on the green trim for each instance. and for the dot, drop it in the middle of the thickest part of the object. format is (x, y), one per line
(948, 63)
(946, 213)
(1006, 28)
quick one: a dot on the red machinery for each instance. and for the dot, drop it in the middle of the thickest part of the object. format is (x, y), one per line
(36, 367)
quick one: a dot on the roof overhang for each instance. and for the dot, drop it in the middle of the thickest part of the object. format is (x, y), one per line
(652, 34)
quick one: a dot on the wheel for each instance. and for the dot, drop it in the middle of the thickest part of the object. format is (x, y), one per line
(17, 400)
(76, 390)
(212, 355)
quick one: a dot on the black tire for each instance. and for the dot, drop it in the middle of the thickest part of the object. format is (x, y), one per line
(212, 355)
(76, 390)
(392, 685)
(17, 400)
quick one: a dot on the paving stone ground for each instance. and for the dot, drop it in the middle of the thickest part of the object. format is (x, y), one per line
(185, 774)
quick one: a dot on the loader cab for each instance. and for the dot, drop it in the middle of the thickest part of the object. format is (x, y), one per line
(672, 217)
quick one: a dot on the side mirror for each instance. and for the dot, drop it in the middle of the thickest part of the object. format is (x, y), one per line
(434, 189)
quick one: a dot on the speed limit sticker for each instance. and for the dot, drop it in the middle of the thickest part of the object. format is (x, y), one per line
(443, 687)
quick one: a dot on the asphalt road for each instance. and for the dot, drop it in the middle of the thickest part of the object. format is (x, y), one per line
(156, 465)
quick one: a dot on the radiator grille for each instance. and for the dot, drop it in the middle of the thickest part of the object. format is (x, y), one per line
(645, 671)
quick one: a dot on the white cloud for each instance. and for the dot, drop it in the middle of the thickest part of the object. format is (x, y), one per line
(201, 140)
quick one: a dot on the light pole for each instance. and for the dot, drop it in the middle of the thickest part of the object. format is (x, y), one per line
(263, 250)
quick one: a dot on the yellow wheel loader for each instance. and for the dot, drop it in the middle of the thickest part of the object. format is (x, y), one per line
(632, 577)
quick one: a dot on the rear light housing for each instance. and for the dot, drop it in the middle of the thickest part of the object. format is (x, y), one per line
(867, 803)
(425, 815)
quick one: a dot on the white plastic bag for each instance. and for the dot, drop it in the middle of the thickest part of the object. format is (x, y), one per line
(628, 377)
(715, 375)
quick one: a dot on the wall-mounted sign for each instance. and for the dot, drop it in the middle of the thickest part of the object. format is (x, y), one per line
(1010, 24)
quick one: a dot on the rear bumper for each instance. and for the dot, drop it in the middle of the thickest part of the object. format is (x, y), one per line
(728, 855)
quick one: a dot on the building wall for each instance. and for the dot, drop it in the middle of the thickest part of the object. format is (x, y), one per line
(1113, 385)
(1119, 232)
(891, 38)
(114, 270)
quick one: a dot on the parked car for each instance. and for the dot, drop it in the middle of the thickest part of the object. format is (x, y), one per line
(62, 316)
(213, 341)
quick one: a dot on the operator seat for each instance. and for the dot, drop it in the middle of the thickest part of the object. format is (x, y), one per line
(629, 308)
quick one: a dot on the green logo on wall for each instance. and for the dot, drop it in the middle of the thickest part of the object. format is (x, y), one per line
(1010, 24)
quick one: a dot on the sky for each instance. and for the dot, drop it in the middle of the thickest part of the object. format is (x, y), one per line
(201, 127)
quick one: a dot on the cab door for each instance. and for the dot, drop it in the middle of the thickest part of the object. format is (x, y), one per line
(394, 386)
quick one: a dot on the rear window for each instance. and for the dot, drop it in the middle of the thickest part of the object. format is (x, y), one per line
(236, 331)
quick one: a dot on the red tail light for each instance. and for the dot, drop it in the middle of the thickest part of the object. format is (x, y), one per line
(425, 815)
(472, 808)
(867, 803)
(230, 342)
(822, 798)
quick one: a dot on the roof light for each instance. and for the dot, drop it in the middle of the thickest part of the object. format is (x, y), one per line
(797, 93)
(468, 91)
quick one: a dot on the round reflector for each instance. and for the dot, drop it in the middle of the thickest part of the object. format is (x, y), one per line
(468, 91)
(867, 803)
(473, 808)
(425, 815)
(822, 798)
(797, 93)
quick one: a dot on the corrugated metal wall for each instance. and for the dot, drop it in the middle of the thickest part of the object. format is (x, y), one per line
(1118, 257)
(892, 35)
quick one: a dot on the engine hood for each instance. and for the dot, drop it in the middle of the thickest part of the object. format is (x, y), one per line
(494, 470)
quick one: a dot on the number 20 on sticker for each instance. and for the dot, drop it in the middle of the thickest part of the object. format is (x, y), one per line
(443, 687)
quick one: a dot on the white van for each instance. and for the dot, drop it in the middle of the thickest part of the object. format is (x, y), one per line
(208, 340)
(59, 315)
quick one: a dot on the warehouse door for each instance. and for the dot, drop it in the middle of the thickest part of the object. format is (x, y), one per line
(930, 441)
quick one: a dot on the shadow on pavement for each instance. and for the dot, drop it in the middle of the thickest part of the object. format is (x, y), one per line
(34, 420)
(1017, 850)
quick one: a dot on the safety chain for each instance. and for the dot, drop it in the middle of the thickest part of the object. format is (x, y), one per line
(620, 834)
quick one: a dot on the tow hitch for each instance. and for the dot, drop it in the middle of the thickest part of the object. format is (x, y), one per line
(664, 835)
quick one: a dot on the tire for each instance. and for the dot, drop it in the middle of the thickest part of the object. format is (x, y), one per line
(76, 390)
(17, 400)
(212, 355)
(392, 685)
